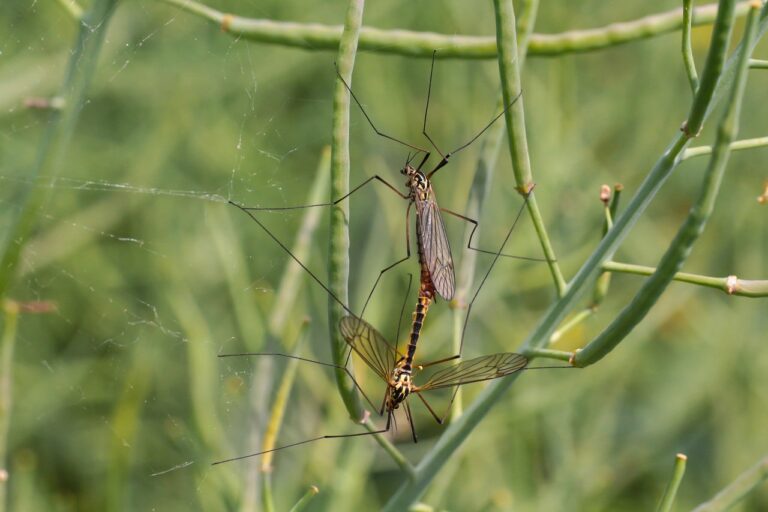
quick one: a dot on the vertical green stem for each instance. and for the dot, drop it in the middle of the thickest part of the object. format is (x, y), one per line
(339, 234)
(509, 69)
(7, 344)
(665, 505)
(61, 126)
(690, 64)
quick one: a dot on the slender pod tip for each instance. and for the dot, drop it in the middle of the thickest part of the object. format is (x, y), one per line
(605, 194)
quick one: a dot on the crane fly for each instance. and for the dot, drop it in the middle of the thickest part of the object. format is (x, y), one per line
(432, 241)
(394, 368)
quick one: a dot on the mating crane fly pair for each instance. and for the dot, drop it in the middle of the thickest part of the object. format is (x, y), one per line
(436, 277)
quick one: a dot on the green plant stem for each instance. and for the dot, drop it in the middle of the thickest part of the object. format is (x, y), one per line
(458, 430)
(509, 71)
(338, 272)
(689, 232)
(304, 501)
(758, 64)
(730, 285)
(690, 64)
(665, 505)
(548, 353)
(7, 345)
(713, 67)
(72, 8)
(736, 491)
(276, 421)
(58, 133)
(315, 36)
(757, 142)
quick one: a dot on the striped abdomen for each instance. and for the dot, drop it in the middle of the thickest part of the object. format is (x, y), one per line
(425, 299)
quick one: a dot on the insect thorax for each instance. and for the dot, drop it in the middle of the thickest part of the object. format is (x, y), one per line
(417, 182)
(400, 385)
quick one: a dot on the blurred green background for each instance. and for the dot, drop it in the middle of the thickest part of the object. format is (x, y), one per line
(119, 400)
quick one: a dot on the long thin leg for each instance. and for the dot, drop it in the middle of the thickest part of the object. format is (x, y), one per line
(332, 203)
(438, 419)
(472, 234)
(439, 361)
(337, 436)
(367, 117)
(448, 155)
(289, 356)
(409, 416)
(393, 265)
(288, 251)
(490, 268)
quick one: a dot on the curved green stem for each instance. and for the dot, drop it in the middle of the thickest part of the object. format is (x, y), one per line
(315, 36)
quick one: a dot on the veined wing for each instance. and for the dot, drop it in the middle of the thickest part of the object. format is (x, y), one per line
(434, 246)
(369, 345)
(475, 370)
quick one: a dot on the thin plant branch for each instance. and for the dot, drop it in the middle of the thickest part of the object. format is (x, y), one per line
(315, 36)
(7, 345)
(276, 415)
(668, 499)
(690, 64)
(731, 285)
(304, 501)
(758, 142)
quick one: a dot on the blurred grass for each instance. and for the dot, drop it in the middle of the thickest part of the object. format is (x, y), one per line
(179, 113)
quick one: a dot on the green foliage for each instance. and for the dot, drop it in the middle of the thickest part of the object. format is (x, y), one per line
(118, 400)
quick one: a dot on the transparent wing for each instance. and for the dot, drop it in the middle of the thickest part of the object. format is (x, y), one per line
(434, 246)
(369, 345)
(476, 370)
